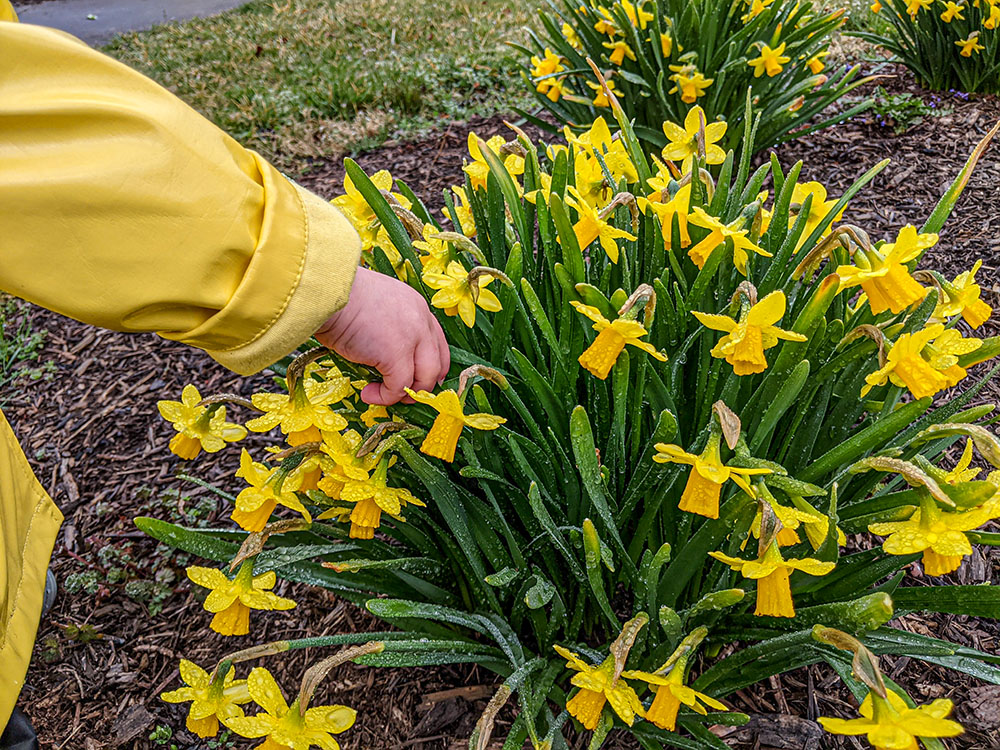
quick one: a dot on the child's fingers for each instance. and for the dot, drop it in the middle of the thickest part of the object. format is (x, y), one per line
(397, 375)
(426, 364)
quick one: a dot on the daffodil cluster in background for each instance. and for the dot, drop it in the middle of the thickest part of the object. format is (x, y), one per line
(948, 45)
(694, 426)
(658, 57)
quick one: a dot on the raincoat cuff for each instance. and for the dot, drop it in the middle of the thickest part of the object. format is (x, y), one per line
(328, 264)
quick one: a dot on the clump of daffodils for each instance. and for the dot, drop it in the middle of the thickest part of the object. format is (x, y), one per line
(949, 45)
(659, 58)
(684, 410)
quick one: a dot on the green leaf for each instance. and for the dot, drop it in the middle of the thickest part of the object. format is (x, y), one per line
(975, 601)
(196, 542)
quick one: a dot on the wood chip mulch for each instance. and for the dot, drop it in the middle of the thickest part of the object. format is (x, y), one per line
(94, 439)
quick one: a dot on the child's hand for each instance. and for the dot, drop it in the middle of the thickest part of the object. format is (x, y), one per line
(388, 325)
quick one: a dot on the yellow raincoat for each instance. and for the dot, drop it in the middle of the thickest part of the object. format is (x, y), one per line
(122, 207)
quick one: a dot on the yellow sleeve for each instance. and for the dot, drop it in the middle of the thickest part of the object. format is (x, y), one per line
(122, 207)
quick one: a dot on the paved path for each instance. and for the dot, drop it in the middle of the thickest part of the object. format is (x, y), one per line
(96, 21)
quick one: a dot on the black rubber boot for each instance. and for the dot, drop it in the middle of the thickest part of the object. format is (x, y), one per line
(19, 734)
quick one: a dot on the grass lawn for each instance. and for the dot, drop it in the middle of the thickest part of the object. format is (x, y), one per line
(318, 78)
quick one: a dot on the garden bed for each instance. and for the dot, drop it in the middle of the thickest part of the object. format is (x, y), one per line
(92, 435)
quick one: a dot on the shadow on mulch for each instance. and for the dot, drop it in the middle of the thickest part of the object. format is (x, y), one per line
(126, 614)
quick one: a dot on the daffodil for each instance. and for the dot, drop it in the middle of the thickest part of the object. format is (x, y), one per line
(683, 142)
(952, 10)
(791, 519)
(601, 98)
(570, 35)
(455, 293)
(962, 297)
(599, 686)
(372, 497)
(254, 504)
(598, 139)
(816, 64)
(679, 206)
(442, 438)
(892, 725)
(689, 82)
(819, 209)
(353, 205)
(619, 51)
(605, 23)
(371, 416)
(708, 474)
(637, 16)
(198, 427)
(666, 43)
(756, 8)
(556, 90)
(718, 233)
(231, 600)
(746, 340)
(876, 7)
(211, 702)
(970, 45)
(341, 464)
(939, 534)
(464, 220)
(435, 252)
(913, 7)
(882, 272)
(612, 336)
(771, 571)
(993, 20)
(770, 61)
(288, 727)
(307, 408)
(925, 361)
(479, 169)
(669, 693)
(547, 65)
(590, 226)
(962, 471)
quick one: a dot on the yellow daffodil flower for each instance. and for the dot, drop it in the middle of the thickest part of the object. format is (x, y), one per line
(371, 498)
(771, 571)
(876, 7)
(708, 474)
(287, 727)
(756, 8)
(636, 15)
(970, 45)
(925, 362)
(373, 414)
(678, 206)
(464, 221)
(791, 519)
(598, 139)
(606, 23)
(689, 82)
(231, 600)
(816, 530)
(892, 725)
(913, 7)
(771, 61)
(669, 693)
(456, 296)
(600, 95)
(556, 90)
(882, 272)
(818, 211)
(341, 464)
(962, 473)
(599, 686)
(666, 43)
(619, 51)
(306, 408)
(442, 439)
(952, 10)
(570, 35)
(255, 503)
(436, 254)
(547, 65)
(939, 534)
(718, 232)
(590, 226)
(210, 702)
(745, 341)
(993, 21)
(354, 206)
(612, 336)
(683, 145)
(305, 476)
(962, 297)
(198, 427)
(816, 64)
(479, 170)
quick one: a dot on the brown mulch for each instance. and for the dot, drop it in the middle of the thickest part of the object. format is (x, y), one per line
(92, 434)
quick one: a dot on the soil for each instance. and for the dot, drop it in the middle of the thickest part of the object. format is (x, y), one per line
(92, 434)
